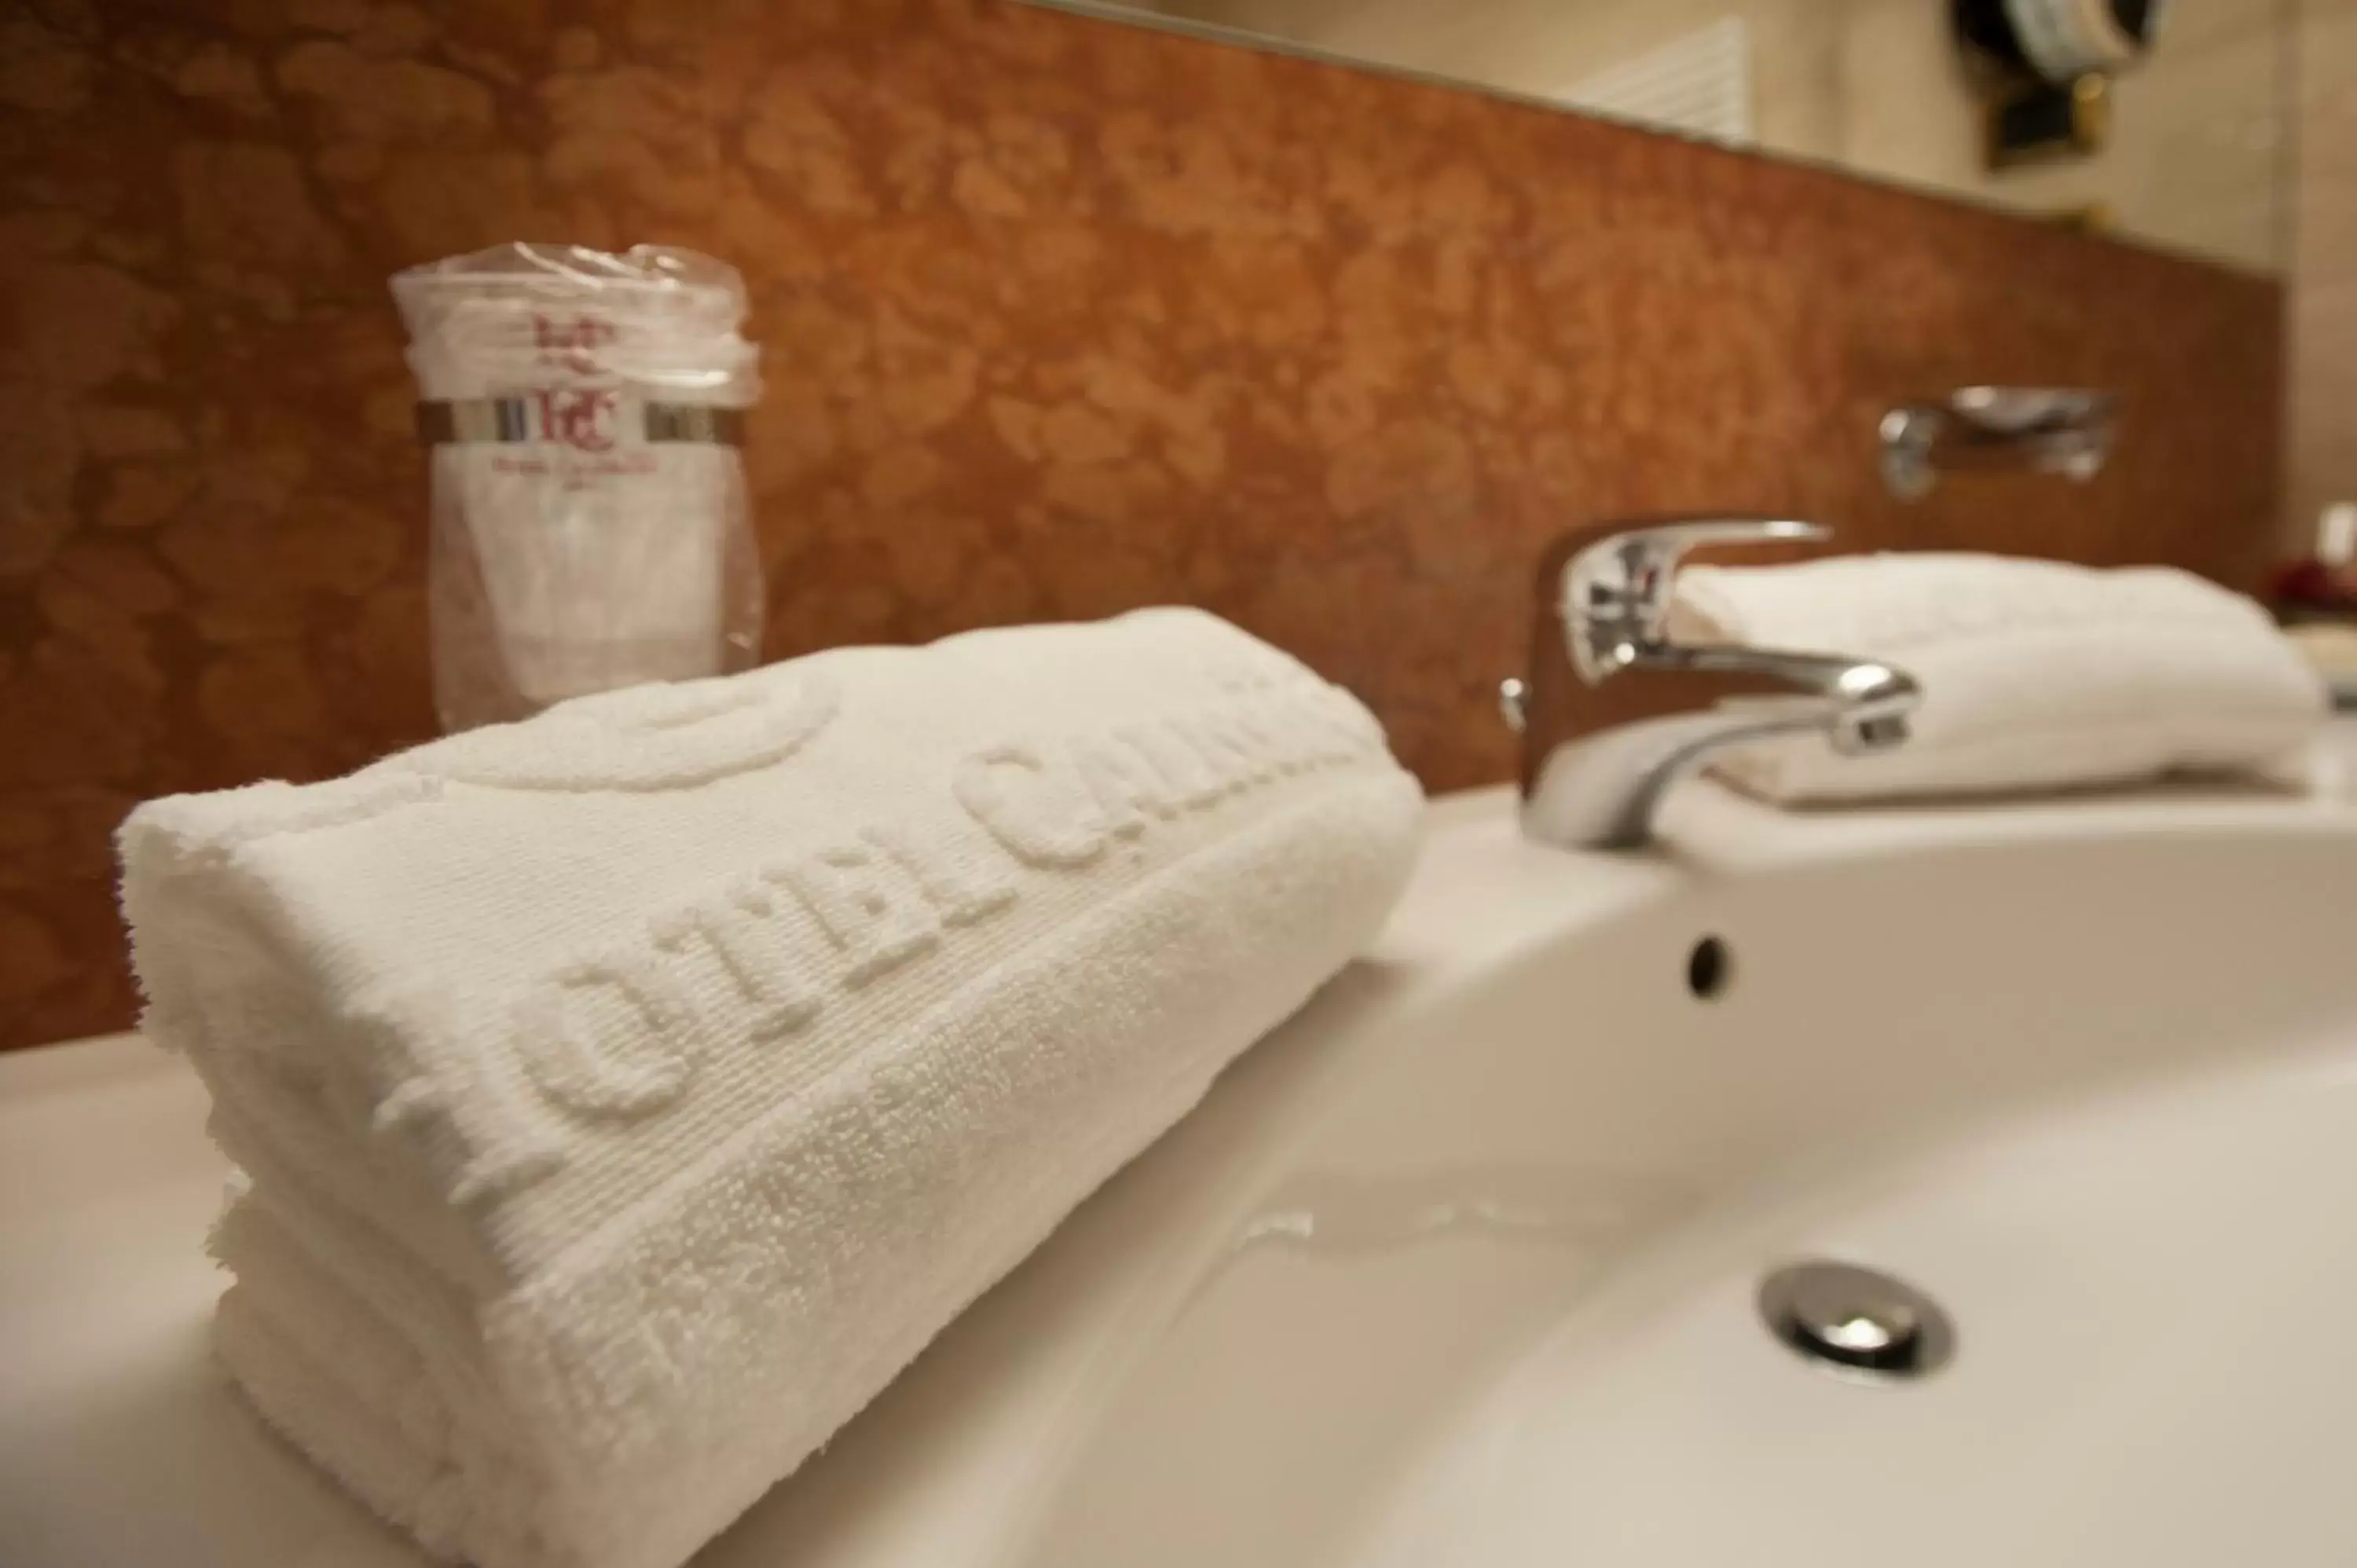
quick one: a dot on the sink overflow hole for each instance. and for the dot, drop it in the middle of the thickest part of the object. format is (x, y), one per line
(1708, 968)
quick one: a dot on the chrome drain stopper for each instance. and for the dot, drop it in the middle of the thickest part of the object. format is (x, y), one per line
(1857, 1319)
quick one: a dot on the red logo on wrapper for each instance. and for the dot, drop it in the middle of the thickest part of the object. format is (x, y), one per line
(580, 417)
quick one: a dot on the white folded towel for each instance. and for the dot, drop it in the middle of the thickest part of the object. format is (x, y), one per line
(628, 1094)
(2036, 674)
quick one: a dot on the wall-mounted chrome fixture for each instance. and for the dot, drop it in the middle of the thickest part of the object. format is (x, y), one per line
(2050, 430)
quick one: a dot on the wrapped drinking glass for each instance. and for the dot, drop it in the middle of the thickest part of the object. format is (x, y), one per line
(585, 412)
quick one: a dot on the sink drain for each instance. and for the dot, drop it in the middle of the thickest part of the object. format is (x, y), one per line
(1857, 1320)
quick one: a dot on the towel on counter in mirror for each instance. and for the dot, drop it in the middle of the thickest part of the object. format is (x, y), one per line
(2036, 675)
(621, 1098)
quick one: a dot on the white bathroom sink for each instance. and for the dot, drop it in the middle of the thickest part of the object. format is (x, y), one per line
(1459, 1267)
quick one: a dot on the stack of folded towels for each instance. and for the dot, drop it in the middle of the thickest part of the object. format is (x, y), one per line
(2036, 675)
(621, 1098)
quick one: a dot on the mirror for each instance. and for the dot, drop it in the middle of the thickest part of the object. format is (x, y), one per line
(2164, 123)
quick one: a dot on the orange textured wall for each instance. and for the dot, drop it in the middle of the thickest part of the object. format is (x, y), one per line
(1062, 317)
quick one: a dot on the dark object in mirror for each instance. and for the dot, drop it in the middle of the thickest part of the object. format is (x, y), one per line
(2056, 41)
(2043, 123)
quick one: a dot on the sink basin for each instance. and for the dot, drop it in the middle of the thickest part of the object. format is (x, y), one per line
(1462, 1265)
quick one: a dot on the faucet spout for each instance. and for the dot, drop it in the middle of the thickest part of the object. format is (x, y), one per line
(1861, 704)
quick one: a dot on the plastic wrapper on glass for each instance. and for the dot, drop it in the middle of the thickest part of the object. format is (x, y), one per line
(589, 517)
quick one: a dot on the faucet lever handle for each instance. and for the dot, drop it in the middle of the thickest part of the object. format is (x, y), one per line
(1615, 590)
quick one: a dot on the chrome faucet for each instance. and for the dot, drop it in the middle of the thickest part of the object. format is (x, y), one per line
(2052, 430)
(1597, 752)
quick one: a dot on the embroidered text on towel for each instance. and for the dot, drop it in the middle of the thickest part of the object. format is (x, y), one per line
(619, 1035)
